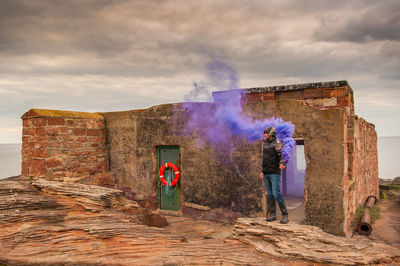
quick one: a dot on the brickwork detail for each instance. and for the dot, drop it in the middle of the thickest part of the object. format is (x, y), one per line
(65, 146)
(328, 95)
(362, 165)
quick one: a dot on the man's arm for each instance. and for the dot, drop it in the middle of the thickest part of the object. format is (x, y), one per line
(262, 151)
(278, 149)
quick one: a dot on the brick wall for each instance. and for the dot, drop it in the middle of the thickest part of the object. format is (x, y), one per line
(322, 95)
(362, 160)
(353, 147)
(65, 146)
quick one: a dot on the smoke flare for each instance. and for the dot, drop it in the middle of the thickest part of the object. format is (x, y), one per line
(226, 119)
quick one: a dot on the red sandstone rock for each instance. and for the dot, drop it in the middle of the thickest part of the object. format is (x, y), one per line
(37, 168)
(343, 101)
(53, 162)
(94, 132)
(253, 98)
(69, 122)
(55, 121)
(39, 131)
(56, 223)
(285, 95)
(295, 241)
(333, 93)
(39, 121)
(313, 93)
(79, 131)
(61, 130)
(24, 168)
(268, 96)
(61, 138)
(39, 153)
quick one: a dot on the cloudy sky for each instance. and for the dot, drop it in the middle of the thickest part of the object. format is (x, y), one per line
(105, 55)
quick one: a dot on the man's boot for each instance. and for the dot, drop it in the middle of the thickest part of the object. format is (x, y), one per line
(272, 211)
(285, 218)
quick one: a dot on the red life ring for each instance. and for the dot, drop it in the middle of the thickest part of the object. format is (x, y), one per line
(174, 168)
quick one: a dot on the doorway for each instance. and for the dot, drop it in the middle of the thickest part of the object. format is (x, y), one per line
(169, 197)
(292, 185)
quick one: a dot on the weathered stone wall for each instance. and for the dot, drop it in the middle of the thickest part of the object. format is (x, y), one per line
(228, 176)
(363, 175)
(320, 95)
(322, 132)
(132, 140)
(360, 177)
(340, 151)
(65, 146)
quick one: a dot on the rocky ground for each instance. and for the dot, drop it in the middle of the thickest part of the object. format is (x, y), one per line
(53, 223)
(310, 243)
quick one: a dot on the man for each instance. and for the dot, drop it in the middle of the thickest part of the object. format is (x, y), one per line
(272, 164)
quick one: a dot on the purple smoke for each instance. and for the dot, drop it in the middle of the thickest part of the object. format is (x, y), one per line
(225, 119)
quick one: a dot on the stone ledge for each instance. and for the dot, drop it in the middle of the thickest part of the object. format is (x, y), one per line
(196, 206)
(295, 241)
(59, 113)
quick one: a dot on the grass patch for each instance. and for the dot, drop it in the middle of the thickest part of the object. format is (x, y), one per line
(390, 191)
(382, 194)
(392, 186)
(374, 212)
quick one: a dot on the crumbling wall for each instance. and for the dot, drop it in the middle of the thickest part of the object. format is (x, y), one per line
(320, 95)
(65, 146)
(340, 151)
(362, 158)
(359, 176)
(132, 140)
(322, 132)
(228, 175)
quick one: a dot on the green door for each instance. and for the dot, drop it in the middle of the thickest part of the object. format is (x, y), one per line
(169, 198)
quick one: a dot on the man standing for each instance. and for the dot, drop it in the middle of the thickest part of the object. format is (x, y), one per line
(272, 164)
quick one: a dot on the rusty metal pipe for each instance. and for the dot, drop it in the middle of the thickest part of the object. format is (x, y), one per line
(370, 202)
(365, 228)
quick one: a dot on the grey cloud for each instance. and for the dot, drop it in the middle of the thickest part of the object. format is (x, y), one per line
(377, 22)
(51, 27)
(151, 38)
(126, 54)
(125, 38)
(389, 54)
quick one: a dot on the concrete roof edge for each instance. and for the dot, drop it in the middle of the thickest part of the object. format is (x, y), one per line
(301, 86)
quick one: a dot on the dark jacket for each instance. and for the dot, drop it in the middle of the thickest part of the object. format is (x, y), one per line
(272, 156)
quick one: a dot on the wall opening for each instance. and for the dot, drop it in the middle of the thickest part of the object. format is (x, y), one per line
(292, 185)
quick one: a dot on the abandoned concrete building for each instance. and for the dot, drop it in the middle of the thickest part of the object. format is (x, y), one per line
(334, 165)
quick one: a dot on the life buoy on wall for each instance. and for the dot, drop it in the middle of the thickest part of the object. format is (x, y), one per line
(176, 171)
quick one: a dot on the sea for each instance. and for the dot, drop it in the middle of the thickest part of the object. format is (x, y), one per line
(388, 149)
(10, 160)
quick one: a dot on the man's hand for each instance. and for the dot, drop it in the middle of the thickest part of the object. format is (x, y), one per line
(282, 166)
(261, 175)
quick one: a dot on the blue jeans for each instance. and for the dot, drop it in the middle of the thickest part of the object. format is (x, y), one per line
(272, 184)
